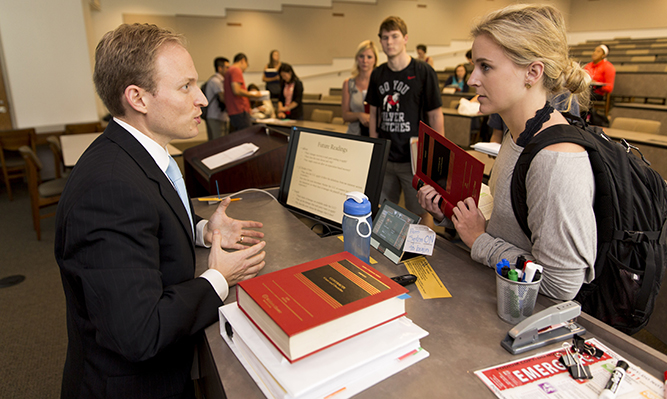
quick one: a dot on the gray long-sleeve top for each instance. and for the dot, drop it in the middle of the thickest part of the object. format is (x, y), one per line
(560, 190)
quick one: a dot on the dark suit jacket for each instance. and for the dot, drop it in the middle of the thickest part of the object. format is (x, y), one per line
(127, 262)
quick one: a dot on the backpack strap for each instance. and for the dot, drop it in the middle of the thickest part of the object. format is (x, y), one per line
(551, 135)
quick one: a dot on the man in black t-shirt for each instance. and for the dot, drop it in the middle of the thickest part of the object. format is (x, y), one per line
(402, 92)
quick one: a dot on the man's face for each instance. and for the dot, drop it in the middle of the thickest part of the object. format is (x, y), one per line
(393, 42)
(174, 111)
(224, 68)
(598, 54)
(243, 65)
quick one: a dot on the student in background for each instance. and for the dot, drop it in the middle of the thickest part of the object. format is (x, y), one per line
(260, 109)
(458, 79)
(270, 75)
(401, 93)
(421, 55)
(602, 72)
(521, 57)
(217, 121)
(354, 89)
(469, 65)
(290, 100)
(237, 98)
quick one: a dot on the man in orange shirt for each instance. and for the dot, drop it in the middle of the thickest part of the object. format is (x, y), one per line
(236, 95)
(602, 72)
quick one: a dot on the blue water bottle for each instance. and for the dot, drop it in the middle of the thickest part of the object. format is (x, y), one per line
(357, 225)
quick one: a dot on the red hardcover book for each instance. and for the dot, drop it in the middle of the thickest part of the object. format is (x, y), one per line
(455, 174)
(311, 306)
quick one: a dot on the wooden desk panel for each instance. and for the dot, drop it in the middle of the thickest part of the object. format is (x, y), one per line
(310, 105)
(460, 128)
(653, 146)
(465, 330)
(642, 111)
(263, 169)
(74, 145)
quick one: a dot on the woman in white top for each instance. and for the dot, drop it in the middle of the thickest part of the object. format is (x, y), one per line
(354, 88)
(521, 56)
(270, 75)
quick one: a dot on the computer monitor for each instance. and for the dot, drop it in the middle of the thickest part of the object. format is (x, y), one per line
(322, 166)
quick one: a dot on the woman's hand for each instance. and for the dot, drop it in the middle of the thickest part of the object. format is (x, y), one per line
(364, 118)
(468, 221)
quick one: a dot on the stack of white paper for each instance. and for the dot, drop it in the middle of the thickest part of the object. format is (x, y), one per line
(487, 148)
(266, 95)
(340, 371)
(230, 155)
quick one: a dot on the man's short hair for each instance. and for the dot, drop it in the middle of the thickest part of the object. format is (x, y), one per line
(220, 63)
(393, 23)
(126, 56)
(240, 57)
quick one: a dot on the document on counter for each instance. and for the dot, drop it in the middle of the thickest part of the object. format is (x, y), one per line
(487, 148)
(420, 240)
(230, 155)
(485, 202)
(428, 283)
(543, 375)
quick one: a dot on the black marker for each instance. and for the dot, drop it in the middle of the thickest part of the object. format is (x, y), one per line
(405, 279)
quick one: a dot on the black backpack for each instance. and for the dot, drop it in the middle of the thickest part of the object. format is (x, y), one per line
(204, 110)
(630, 212)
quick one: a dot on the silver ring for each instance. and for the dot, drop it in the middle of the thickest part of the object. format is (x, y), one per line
(241, 238)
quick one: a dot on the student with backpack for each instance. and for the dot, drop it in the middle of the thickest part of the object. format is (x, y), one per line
(217, 120)
(521, 56)
(565, 195)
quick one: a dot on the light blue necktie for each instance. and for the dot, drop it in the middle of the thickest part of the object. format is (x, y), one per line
(174, 174)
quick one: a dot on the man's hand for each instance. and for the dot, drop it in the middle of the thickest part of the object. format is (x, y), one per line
(235, 233)
(428, 199)
(469, 221)
(235, 266)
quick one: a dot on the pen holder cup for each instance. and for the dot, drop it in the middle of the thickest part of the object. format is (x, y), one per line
(516, 300)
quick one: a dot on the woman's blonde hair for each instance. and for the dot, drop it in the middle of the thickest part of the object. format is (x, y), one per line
(531, 32)
(363, 46)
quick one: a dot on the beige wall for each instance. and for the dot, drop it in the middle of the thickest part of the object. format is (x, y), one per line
(313, 35)
(587, 15)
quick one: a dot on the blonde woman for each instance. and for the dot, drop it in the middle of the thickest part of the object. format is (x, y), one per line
(521, 57)
(354, 88)
(270, 75)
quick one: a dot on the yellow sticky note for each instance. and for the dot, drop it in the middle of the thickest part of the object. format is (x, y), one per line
(428, 282)
(373, 261)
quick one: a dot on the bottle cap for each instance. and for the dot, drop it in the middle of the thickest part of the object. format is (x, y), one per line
(356, 204)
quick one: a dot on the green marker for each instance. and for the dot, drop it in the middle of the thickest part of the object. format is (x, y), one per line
(513, 275)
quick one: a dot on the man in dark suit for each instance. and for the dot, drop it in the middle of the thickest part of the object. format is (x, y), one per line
(125, 239)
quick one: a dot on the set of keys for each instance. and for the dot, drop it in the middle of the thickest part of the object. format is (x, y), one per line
(572, 359)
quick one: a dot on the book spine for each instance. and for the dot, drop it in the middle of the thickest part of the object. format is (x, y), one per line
(444, 205)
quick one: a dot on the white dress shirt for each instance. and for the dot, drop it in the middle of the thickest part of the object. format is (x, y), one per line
(161, 157)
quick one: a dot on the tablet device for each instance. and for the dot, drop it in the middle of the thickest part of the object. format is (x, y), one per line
(390, 229)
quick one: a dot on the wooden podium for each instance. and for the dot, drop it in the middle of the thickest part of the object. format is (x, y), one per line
(261, 170)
